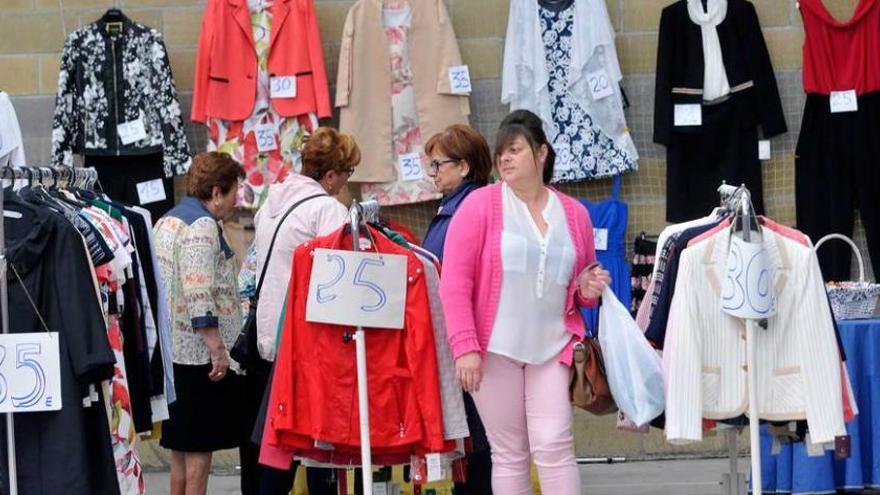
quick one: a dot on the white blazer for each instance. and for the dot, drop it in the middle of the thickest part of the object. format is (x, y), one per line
(797, 360)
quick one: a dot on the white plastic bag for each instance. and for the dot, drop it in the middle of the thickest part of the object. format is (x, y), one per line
(633, 368)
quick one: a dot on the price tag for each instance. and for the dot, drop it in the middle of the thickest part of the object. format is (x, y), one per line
(842, 447)
(131, 132)
(30, 372)
(690, 114)
(266, 138)
(435, 467)
(747, 291)
(600, 239)
(282, 87)
(844, 101)
(600, 84)
(394, 489)
(764, 149)
(349, 288)
(151, 191)
(411, 167)
(460, 79)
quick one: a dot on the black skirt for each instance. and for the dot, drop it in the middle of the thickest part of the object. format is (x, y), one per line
(206, 416)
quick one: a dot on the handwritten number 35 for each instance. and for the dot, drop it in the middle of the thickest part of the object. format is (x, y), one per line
(23, 360)
(324, 296)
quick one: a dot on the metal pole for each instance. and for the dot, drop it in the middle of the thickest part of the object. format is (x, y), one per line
(361, 349)
(4, 317)
(754, 424)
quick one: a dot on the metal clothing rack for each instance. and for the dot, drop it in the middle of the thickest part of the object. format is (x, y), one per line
(359, 213)
(61, 177)
(738, 201)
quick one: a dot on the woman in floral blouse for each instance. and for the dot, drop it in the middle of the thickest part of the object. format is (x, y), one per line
(199, 271)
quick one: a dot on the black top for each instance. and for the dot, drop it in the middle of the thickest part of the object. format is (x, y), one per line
(680, 69)
(555, 5)
(58, 452)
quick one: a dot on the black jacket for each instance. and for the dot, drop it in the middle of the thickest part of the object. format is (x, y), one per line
(750, 74)
(110, 80)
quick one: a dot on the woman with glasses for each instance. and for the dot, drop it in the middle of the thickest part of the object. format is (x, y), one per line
(328, 160)
(461, 163)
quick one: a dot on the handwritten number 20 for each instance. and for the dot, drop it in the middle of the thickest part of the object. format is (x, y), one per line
(323, 297)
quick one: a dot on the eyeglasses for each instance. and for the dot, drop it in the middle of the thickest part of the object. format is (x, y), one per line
(435, 164)
(349, 170)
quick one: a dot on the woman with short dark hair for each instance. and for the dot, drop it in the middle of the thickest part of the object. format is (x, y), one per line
(199, 273)
(518, 261)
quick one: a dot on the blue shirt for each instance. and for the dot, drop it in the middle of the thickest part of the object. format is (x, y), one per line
(435, 237)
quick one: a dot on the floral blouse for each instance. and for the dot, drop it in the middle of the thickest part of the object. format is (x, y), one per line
(198, 269)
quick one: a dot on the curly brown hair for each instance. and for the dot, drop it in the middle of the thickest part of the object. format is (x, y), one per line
(327, 150)
(212, 169)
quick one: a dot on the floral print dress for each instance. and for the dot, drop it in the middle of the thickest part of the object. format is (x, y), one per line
(239, 138)
(583, 151)
(406, 133)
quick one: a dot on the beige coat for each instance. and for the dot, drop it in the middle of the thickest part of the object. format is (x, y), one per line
(363, 84)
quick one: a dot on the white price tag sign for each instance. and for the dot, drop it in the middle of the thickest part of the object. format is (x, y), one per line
(600, 84)
(349, 288)
(747, 291)
(380, 488)
(435, 467)
(131, 132)
(690, 114)
(282, 87)
(411, 167)
(266, 138)
(30, 372)
(460, 79)
(600, 239)
(844, 101)
(151, 191)
(764, 149)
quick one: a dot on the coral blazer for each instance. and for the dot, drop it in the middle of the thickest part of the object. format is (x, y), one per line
(226, 65)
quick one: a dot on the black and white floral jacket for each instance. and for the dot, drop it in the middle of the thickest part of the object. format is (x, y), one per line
(110, 80)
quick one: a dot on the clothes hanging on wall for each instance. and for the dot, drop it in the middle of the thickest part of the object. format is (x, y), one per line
(366, 84)
(837, 150)
(116, 96)
(11, 145)
(561, 63)
(609, 218)
(642, 269)
(714, 86)
(268, 140)
(120, 176)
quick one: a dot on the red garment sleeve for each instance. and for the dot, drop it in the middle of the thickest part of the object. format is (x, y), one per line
(316, 56)
(203, 64)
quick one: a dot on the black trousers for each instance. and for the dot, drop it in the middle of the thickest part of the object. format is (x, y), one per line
(837, 169)
(120, 175)
(699, 158)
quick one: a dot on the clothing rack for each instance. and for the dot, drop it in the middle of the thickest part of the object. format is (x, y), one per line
(63, 177)
(358, 214)
(738, 201)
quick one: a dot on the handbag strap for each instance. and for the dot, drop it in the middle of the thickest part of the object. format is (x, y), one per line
(275, 236)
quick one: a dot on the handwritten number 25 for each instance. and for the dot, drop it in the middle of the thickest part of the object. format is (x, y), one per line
(323, 296)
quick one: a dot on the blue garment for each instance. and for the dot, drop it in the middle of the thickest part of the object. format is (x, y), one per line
(793, 471)
(435, 237)
(611, 215)
(583, 151)
(191, 209)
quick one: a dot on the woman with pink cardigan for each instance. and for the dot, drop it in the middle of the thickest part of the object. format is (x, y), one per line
(518, 262)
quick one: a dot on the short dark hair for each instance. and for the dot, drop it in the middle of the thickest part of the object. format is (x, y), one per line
(462, 142)
(528, 125)
(212, 169)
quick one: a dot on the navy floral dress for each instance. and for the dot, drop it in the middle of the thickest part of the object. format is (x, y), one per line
(583, 151)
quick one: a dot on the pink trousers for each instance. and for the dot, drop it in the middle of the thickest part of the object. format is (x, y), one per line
(527, 413)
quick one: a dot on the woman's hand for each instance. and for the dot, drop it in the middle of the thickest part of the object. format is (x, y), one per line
(219, 364)
(469, 371)
(592, 281)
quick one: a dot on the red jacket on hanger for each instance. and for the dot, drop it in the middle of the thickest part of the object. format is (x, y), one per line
(226, 64)
(315, 393)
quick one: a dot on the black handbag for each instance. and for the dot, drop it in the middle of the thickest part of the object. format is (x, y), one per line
(245, 351)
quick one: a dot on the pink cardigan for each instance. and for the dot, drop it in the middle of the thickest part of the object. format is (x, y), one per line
(470, 285)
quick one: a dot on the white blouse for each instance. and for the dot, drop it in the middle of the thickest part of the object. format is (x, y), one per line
(529, 326)
(715, 84)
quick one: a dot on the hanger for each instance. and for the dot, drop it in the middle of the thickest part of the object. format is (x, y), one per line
(113, 20)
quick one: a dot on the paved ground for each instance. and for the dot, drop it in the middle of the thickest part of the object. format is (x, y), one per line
(690, 477)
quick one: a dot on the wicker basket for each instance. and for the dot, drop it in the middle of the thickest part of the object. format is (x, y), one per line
(851, 300)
